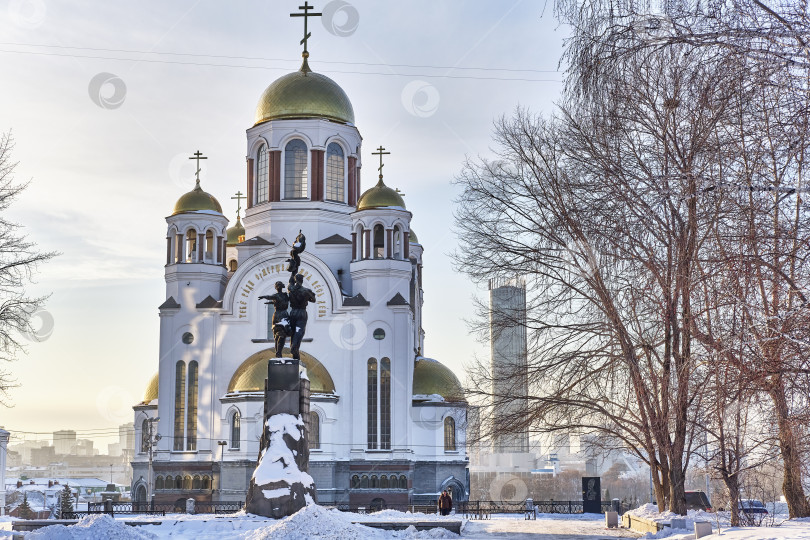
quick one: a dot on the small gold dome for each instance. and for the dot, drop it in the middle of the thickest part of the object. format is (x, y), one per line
(304, 94)
(432, 377)
(195, 201)
(151, 389)
(250, 376)
(412, 238)
(236, 234)
(380, 196)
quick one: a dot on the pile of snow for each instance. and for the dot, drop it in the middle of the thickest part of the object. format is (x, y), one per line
(277, 462)
(92, 528)
(318, 522)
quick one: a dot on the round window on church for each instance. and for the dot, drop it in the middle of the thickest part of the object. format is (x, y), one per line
(379, 333)
(188, 338)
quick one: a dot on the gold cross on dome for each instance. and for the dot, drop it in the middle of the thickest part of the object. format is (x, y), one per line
(306, 15)
(198, 156)
(239, 196)
(380, 152)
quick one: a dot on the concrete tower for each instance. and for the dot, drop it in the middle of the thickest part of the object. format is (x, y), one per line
(509, 370)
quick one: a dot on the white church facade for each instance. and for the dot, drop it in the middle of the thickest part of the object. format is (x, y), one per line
(387, 424)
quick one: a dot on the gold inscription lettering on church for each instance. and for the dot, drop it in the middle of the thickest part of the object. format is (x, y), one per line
(273, 271)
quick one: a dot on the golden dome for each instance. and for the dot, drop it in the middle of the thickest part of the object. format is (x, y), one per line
(380, 196)
(250, 376)
(236, 234)
(412, 238)
(195, 201)
(151, 389)
(304, 94)
(432, 377)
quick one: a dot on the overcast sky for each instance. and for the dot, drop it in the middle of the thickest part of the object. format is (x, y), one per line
(107, 99)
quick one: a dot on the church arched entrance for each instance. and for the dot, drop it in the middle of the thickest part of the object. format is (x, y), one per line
(378, 504)
(140, 497)
(456, 489)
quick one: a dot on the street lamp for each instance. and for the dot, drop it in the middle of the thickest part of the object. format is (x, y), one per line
(222, 445)
(151, 442)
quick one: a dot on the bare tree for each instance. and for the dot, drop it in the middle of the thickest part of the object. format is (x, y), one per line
(19, 259)
(604, 210)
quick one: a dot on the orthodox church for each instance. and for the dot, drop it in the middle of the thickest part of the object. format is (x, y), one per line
(387, 424)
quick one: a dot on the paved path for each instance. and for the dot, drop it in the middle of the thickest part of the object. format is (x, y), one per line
(543, 529)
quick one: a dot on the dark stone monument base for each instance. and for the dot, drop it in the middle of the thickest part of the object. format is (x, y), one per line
(284, 456)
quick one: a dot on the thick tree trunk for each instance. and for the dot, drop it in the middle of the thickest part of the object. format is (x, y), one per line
(791, 456)
(733, 487)
(677, 493)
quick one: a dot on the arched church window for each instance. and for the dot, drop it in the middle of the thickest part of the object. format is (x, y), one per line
(262, 175)
(373, 483)
(385, 404)
(379, 242)
(158, 483)
(232, 265)
(178, 482)
(314, 430)
(179, 405)
(196, 482)
(236, 429)
(449, 434)
(295, 170)
(187, 482)
(397, 242)
(403, 482)
(335, 167)
(169, 482)
(191, 428)
(145, 436)
(206, 482)
(191, 246)
(372, 404)
(383, 482)
(364, 481)
(355, 482)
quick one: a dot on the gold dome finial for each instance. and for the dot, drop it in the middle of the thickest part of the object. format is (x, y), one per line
(198, 156)
(238, 196)
(380, 152)
(306, 15)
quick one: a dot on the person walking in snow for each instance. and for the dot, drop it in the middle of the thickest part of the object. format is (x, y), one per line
(445, 503)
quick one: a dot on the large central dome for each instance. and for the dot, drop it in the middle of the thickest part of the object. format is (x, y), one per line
(304, 94)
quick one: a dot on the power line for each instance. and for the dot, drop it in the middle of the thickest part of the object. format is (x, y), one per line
(266, 59)
(208, 64)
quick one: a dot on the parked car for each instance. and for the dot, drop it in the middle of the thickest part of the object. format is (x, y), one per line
(697, 500)
(752, 506)
(752, 512)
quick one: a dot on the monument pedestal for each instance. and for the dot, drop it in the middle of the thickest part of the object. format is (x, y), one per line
(280, 485)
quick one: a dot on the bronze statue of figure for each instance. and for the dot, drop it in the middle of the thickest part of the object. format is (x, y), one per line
(294, 261)
(280, 322)
(300, 296)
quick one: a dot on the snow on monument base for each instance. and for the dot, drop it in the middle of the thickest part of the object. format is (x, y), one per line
(280, 485)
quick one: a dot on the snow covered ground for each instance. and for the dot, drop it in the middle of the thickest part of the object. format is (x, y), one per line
(782, 528)
(315, 522)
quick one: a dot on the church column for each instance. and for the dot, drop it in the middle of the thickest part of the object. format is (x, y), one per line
(389, 243)
(275, 175)
(354, 246)
(352, 191)
(200, 247)
(222, 249)
(317, 174)
(249, 182)
(367, 243)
